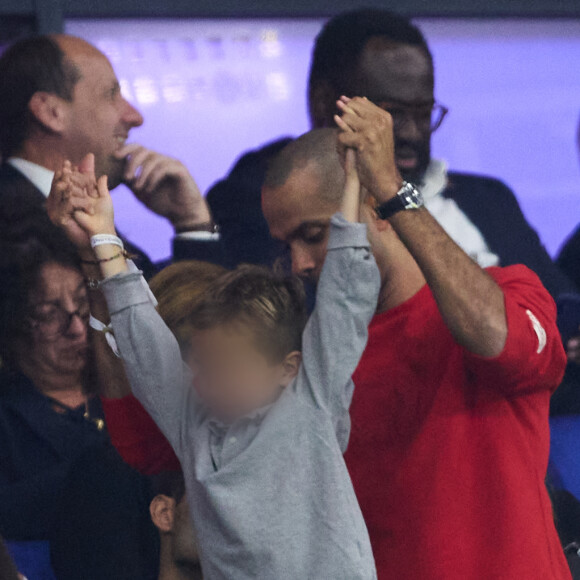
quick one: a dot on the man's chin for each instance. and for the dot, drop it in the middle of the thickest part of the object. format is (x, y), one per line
(415, 175)
(114, 171)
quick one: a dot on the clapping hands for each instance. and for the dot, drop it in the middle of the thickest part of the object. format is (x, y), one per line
(368, 130)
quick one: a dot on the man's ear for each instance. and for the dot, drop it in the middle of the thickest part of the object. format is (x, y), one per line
(48, 110)
(322, 104)
(162, 510)
(291, 365)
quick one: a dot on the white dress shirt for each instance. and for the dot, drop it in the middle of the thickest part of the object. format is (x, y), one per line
(457, 225)
(41, 178)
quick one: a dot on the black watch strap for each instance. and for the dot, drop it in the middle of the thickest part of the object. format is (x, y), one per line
(390, 208)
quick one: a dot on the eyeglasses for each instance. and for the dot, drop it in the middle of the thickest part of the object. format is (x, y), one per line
(427, 118)
(55, 320)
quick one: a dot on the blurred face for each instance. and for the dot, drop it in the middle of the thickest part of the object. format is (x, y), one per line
(58, 322)
(299, 217)
(99, 118)
(398, 78)
(232, 375)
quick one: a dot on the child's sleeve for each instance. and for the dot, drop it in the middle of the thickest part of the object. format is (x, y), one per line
(151, 355)
(336, 334)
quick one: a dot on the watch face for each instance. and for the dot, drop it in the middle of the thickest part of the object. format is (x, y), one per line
(412, 197)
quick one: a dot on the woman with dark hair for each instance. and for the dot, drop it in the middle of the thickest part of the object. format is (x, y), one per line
(61, 481)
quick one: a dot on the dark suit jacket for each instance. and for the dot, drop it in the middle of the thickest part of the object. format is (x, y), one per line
(20, 198)
(495, 211)
(488, 203)
(569, 257)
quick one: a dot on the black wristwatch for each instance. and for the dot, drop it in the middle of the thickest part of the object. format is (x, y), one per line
(408, 197)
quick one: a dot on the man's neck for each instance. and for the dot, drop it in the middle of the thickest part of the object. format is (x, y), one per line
(169, 569)
(42, 153)
(175, 572)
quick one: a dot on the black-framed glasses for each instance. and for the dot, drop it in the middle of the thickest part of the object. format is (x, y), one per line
(428, 118)
(53, 320)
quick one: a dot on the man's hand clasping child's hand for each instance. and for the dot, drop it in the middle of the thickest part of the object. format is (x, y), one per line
(77, 195)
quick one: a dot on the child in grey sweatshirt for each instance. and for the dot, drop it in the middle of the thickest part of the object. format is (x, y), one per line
(261, 434)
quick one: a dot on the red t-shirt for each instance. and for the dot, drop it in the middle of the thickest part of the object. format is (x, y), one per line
(449, 451)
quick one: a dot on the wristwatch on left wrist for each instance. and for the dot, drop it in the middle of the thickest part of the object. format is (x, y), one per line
(408, 197)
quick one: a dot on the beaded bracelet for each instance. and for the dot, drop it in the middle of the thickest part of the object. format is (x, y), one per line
(123, 254)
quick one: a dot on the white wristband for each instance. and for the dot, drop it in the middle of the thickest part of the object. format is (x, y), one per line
(102, 239)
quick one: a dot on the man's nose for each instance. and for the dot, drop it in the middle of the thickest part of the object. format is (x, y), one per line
(408, 130)
(303, 263)
(131, 116)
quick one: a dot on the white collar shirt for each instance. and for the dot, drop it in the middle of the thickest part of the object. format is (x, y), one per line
(39, 176)
(451, 218)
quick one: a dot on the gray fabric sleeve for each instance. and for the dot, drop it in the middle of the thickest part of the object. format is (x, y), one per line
(151, 355)
(336, 334)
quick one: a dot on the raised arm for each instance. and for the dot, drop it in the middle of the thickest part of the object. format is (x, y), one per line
(150, 352)
(112, 381)
(346, 299)
(470, 301)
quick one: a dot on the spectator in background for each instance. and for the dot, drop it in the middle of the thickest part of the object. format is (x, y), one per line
(569, 257)
(567, 399)
(60, 99)
(384, 57)
(50, 419)
(179, 557)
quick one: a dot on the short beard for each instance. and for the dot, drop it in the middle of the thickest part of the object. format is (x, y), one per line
(114, 171)
(415, 177)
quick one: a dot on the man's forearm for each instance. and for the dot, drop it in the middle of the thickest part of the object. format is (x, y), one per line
(470, 301)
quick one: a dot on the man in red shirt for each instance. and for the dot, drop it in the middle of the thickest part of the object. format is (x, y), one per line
(450, 437)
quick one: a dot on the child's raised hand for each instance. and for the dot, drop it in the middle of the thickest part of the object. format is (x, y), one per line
(351, 200)
(80, 204)
(92, 206)
(353, 197)
(94, 213)
(60, 206)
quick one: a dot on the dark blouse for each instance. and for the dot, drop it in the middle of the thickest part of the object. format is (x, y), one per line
(62, 481)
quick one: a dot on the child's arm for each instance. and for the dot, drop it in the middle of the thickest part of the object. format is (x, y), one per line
(150, 352)
(336, 334)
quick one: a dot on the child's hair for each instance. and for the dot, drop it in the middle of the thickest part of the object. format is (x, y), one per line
(273, 305)
(178, 289)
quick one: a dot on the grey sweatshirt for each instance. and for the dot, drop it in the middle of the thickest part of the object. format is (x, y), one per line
(270, 495)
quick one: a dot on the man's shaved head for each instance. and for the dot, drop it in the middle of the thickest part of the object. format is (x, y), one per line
(316, 149)
(302, 190)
